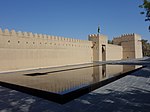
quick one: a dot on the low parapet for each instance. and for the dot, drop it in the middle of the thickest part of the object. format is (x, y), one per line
(14, 33)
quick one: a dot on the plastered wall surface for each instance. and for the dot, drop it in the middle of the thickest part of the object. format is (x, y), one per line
(132, 46)
(24, 50)
(114, 52)
(138, 46)
(97, 40)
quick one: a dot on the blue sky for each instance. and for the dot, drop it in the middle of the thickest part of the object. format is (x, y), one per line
(74, 18)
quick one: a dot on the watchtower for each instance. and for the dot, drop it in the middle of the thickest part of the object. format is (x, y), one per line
(132, 46)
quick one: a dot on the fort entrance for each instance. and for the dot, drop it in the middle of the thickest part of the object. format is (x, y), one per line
(103, 52)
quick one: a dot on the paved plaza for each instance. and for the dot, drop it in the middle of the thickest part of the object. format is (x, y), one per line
(128, 94)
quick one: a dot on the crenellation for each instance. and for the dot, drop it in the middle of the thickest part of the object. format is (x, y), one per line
(35, 35)
(6, 32)
(62, 38)
(93, 35)
(13, 33)
(19, 33)
(49, 37)
(25, 34)
(90, 35)
(75, 40)
(45, 36)
(40, 36)
(38, 50)
(43, 41)
(57, 38)
(52, 37)
(30, 34)
(68, 39)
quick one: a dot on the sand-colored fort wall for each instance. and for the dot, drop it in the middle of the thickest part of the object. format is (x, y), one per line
(22, 50)
(100, 43)
(138, 46)
(114, 52)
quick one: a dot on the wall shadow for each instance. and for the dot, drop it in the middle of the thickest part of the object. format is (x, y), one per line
(144, 72)
(134, 100)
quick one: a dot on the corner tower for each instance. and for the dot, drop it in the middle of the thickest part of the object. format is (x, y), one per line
(132, 46)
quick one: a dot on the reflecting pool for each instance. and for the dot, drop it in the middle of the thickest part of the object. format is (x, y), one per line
(65, 82)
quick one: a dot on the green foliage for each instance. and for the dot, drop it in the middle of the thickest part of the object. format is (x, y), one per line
(110, 42)
(146, 7)
(145, 47)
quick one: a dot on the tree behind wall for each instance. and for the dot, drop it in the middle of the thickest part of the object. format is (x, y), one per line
(145, 47)
(110, 42)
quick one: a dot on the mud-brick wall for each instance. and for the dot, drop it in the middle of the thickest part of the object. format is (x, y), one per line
(114, 52)
(132, 46)
(22, 50)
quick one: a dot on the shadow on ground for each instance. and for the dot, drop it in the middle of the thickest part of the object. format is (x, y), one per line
(134, 99)
(144, 72)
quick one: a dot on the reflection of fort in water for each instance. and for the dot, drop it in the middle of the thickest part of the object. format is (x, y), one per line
(63, 81)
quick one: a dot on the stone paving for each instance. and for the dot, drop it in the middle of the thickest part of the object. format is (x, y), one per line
(128, 94)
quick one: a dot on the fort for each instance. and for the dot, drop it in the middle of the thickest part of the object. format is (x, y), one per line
(23, 50)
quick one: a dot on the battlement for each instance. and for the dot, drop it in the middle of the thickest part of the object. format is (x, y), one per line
(20, 34)
(125, 36)
(27, 50)
(95, 35)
